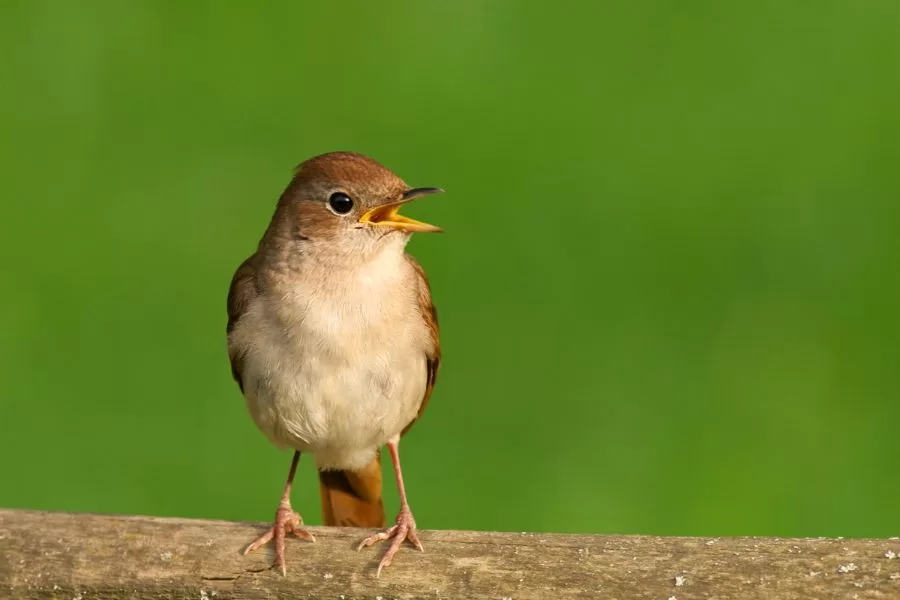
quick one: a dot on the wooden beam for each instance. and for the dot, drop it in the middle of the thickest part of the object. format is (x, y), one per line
(86, 557)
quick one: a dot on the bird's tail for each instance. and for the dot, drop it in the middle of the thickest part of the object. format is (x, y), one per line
(353, 498)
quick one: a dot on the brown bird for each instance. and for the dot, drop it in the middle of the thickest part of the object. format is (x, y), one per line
(333, 339)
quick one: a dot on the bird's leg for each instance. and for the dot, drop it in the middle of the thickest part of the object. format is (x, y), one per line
(405, 527)
(286, 521)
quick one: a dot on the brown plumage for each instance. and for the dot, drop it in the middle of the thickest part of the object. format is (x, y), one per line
(328, 287)
(240, 293)
(429, 313)
(353, 498)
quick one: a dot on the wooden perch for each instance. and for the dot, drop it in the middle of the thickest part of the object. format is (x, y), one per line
(80, 556)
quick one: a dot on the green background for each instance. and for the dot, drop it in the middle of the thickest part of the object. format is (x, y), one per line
(668, 288)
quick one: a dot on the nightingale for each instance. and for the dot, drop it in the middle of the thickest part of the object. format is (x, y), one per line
(333, 340)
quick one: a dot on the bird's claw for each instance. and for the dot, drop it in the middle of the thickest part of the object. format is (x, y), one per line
(286, 521)
(404, 529)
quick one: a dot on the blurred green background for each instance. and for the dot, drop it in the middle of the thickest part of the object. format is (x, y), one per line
(668, 288)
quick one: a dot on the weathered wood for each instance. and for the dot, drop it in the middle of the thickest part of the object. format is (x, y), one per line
(87, 557)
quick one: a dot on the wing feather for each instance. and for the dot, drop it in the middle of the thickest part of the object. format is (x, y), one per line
(433, 353)
(241, 293)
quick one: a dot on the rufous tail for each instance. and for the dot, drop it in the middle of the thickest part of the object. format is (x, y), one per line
(353, 498)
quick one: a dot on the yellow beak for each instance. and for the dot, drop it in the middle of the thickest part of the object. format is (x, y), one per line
(387, 215)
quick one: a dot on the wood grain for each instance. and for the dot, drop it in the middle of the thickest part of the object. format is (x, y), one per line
(88, 557)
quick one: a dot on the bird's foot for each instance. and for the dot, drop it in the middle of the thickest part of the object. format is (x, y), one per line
(286, 521)
(404, 529)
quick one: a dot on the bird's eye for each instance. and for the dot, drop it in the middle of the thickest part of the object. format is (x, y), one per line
(340, 203)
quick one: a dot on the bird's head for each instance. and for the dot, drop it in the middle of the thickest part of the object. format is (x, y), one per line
(349, 200)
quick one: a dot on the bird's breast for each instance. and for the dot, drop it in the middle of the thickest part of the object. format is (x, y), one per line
(335, 368)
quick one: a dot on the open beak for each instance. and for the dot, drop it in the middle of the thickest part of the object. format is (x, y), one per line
(387, 215)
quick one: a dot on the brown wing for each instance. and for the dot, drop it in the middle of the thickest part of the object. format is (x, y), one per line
(433, 355)
(240, 294)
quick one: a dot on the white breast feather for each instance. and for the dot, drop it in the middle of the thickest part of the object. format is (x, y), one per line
(338, 368)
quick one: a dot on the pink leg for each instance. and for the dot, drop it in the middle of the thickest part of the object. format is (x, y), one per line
(286, 520)
(405, 527)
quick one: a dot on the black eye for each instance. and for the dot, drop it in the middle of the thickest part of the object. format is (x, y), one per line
(340, 203)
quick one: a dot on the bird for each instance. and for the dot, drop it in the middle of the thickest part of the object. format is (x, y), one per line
(333, 340)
